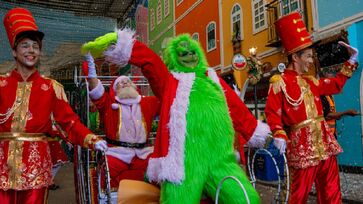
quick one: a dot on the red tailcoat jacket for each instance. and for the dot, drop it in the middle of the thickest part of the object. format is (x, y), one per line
(26, 108)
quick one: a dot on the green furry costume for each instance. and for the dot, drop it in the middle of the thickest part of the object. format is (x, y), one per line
(194, 145)
(209, 153)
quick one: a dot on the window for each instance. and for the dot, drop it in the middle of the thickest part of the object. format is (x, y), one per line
(237, 21)
(259, 22)
(178, 2)
(166, 8)
(158, 12)
(195, 36)
(152, 19)
(288, 6)
(211, 36)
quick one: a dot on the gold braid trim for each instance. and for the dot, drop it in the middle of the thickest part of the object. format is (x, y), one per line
(276, 83)
(347, 69)
(90, 141)
(280, 134)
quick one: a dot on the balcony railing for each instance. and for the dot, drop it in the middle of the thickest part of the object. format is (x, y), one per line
(273, 10)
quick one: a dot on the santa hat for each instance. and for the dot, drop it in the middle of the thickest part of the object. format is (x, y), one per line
(117, 80)
(113, 88)
(292, 32)
(19, 22)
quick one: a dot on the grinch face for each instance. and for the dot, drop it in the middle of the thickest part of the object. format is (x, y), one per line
(186, 55)
(183, 54)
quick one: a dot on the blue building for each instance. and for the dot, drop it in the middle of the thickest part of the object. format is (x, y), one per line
(335, 20)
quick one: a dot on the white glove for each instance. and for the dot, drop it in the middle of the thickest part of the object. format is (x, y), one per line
(260, 135)
(91, 66)
(352, 51)
(101, 145)
(280, 144)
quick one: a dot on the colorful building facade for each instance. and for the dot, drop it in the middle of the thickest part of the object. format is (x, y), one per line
(141, 19)
(161, 24)
(346, 22)
(201, 20)
(251, 24)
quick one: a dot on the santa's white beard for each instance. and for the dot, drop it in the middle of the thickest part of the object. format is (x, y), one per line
(127, 92)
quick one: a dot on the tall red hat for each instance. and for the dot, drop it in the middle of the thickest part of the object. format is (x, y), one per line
(293, 34)
(19, 21)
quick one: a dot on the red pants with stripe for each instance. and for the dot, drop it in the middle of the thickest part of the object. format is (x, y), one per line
(33, 196)
(327, 183)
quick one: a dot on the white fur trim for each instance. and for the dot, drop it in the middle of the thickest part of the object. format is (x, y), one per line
(97, 92)
(260, 135)
(121, 52)
(213, 75)
(171, 167)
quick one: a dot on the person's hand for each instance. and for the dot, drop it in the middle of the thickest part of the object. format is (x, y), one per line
(260, 135)
(352, 51)
(280, 144)
(91, 66)
(101, 145)
(351, 112)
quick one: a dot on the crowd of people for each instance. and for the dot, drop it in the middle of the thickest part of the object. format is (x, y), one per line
(199, 118)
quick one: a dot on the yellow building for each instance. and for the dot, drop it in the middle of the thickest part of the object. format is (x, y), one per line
(252, 22)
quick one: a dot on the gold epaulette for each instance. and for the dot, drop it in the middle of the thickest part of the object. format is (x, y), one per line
(276, 82)
(313, 79)
(58, 89)
(275, 78)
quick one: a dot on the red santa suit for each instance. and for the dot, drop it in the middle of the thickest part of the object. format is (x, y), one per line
(127, 124)
(167, 161)
(294, 113)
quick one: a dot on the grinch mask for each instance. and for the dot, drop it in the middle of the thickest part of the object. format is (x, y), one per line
(186, 56)
(183, 54)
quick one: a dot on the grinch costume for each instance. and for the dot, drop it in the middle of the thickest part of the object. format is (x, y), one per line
(198, 119)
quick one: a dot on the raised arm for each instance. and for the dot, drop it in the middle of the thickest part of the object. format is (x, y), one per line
(92, 74)
(329, 86)
(129, 50)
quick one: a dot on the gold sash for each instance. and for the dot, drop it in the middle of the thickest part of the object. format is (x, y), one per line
(307, 122)
(22, 136)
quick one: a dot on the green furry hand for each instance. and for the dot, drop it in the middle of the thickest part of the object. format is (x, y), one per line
(99, 45)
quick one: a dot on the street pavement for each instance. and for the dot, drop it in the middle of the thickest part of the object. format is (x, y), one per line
(65, 194)
(351, 184)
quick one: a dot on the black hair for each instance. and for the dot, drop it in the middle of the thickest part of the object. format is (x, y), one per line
(32, 35)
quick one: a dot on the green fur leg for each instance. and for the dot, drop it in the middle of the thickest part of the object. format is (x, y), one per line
(231, 192)
(189, 191)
